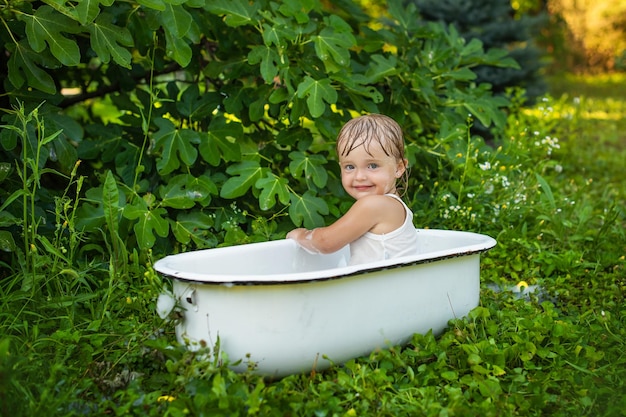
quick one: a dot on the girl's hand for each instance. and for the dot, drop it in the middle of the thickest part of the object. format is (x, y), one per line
(297, 234)
(304, 238)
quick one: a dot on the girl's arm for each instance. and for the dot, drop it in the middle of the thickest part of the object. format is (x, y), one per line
(362, 217)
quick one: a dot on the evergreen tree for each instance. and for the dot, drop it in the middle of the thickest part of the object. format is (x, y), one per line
(495, 24)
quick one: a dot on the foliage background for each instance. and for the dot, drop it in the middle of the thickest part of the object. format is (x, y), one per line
(131, 130)
(593, 34)
(199, 118)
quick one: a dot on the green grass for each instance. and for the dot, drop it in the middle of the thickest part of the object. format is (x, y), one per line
(603, 86)
(597, 106)
(87, 342)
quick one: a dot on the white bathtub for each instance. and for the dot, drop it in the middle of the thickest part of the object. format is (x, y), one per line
(284, 310)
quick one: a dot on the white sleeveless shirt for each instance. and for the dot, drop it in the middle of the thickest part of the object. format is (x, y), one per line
(400, 242)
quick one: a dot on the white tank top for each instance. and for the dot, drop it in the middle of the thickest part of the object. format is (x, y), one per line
(400, 242)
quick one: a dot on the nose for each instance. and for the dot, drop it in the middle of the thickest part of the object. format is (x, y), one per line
(360, 174)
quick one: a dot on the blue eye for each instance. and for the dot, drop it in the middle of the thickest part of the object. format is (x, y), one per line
(373, 166)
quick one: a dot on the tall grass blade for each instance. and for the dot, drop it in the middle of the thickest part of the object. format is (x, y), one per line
(111, 206)
(547, 191)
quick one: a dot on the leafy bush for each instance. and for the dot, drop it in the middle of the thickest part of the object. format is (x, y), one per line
(223, 122)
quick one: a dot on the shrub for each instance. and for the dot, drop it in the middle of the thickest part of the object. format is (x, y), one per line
(203, 123)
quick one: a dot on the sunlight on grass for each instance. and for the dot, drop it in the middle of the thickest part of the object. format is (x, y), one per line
(601, 86)
(603, 115)
(596, 107)
(583, 107)
(599, 108)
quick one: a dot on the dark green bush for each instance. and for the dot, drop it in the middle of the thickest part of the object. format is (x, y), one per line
(202, 123)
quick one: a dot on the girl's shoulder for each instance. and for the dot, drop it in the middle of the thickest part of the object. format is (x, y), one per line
(387, 213)
(380, 202)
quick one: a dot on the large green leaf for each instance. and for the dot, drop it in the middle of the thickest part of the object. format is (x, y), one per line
(184, 191)
(499, 58)
(334, 43)
(63, 152)
(7, 219)
(153, 4)
(236, 98)
(278, 34)
(317, 92)
(84, 11)
(307, 210)
(404, 17)
(256, 111)
(63, 149)
(107, 40)
(197, 106)
(312, 166)
(295, 136)
(236, 12)
(149, 222)
(127, 159)
(460, 74)
(298, 8)
(7, 244)
(486, 109)
(245, 175)
(269, 60)
(9, 130)
(154, 221)
(272, 187)
(178, 49)
(110, 203)
(361, 85)
(220, 141)
(381, 67)
(473, 53)
(87, 10)
(175, 146)
(194, 226)
(46, 27)
(90, 215)
(24, 68)
(176, 20)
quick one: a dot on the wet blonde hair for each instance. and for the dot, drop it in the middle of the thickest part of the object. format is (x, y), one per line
(364, 130)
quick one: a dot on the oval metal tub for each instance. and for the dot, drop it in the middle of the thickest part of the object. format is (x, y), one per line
(283, 310)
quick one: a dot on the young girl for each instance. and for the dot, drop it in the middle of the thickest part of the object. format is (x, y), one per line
(378, 225)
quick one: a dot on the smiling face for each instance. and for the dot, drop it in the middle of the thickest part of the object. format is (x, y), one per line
(371, 155)
(370, 171)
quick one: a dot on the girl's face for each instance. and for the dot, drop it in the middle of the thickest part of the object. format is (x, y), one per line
(366, 173)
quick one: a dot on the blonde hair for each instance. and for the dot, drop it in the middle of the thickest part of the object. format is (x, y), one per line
(363, 130)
